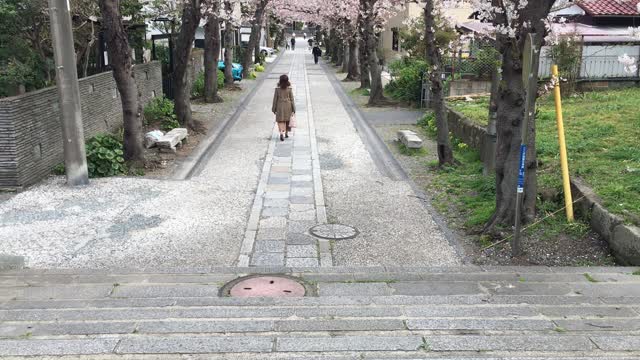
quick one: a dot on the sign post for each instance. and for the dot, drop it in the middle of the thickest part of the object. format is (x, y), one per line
(530, 79)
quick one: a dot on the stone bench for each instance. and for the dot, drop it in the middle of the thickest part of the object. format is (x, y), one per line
(172, 139)
(410, 139)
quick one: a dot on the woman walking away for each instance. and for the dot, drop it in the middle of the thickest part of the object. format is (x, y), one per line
(284, 106)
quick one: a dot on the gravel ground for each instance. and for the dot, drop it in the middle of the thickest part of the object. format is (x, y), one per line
(142, 223)
(395, 228)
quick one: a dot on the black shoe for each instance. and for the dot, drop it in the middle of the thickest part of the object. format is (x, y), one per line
(281, 137)
(286, 135)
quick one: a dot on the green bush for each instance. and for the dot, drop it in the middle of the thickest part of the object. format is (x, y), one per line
(197, 90)
(105, 156)
(161, 110)
(407, 79)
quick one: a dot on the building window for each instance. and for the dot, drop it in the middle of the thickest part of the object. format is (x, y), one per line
(395, 40)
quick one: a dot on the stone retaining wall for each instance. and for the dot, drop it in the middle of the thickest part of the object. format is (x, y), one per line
(30, 131)
(624, 240)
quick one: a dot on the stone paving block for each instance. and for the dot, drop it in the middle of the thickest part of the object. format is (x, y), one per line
(296, 178)
(339, 325)
(273, 222)
(33, 347)
(343, 311)
(302, 251)
(324, 246)
(280, 169)
(279, 187)
(586, 311)
(348, 343)
(79, 328)
(276, 195)
(519, 288)
(302, 184)
(200, 326)
(301, 207)
(301, 200)
(267, 246)
(270, 259)
(275, 212)
(299, 239)
(278, 180)
(617, 342)
(436, 288)
(155, 291)
(299, 172)
(528, 342)
(193, 345)
(479, 324)
(489, 311)
(300, 227)
(280, 203)
(66, 292)
(271, 234)
(354, 289)
(296, 191)
(599, 324)
(301, 262)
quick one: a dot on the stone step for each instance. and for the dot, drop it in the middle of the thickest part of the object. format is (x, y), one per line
(354, 313)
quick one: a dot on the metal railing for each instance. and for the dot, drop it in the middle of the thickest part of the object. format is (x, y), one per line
(593, 68)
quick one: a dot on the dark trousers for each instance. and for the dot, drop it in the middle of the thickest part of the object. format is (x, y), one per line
(315, 58)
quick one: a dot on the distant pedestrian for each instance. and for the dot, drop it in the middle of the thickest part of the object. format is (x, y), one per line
(293, 43)
(317, 52)
(284, 106)
(310, 41)
(304, 35)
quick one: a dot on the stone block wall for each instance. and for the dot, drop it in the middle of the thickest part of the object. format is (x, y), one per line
(624, 240)
(30, 130)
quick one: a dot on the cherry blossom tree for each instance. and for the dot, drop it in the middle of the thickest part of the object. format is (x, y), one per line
(513, 21)
(191, 15)
(212, 52)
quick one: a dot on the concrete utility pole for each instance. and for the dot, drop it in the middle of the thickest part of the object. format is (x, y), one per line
(75, 157)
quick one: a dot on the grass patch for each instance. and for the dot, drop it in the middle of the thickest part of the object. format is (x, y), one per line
(590, 278)
(560, 329)
(361, 92)
(602, 130)
(404, 150)
(637, 272)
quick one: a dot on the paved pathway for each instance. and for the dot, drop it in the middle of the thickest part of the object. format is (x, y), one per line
(289, 199)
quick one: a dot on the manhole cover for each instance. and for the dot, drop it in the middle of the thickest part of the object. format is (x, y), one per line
(265, 286)
(334, 231)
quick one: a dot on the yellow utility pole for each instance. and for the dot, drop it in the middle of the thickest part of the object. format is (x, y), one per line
(564, 165)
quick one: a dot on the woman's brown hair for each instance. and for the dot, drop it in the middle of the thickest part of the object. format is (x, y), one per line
(284, 82)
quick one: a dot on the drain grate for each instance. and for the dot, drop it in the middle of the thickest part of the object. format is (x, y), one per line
(334, 231)
(264, 286)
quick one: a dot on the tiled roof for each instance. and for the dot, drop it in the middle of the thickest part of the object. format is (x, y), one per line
(610, 7)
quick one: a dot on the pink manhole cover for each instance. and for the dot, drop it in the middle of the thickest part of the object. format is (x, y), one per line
(267, 286)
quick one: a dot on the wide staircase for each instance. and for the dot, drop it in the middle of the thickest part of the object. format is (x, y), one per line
(347, 313)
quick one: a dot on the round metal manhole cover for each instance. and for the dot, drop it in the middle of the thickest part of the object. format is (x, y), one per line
(334, 231)
(265, 286)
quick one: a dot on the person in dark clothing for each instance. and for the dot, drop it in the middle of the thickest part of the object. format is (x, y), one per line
(316, 53)
(293, 43)
(310, 41)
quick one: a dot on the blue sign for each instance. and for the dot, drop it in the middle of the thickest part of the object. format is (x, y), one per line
(523, 156)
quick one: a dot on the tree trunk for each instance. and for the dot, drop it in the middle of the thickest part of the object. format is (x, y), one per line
(334, 47)
(211, 56)
(353, 70)
(120, 59)
(510, 114)
(228, 54)
(254, 38)
(445, 154)
(190, 22)
(345, 58)
(365, 78)
(339, 53)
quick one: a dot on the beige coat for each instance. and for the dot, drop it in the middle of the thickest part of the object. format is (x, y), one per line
(283, 104)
